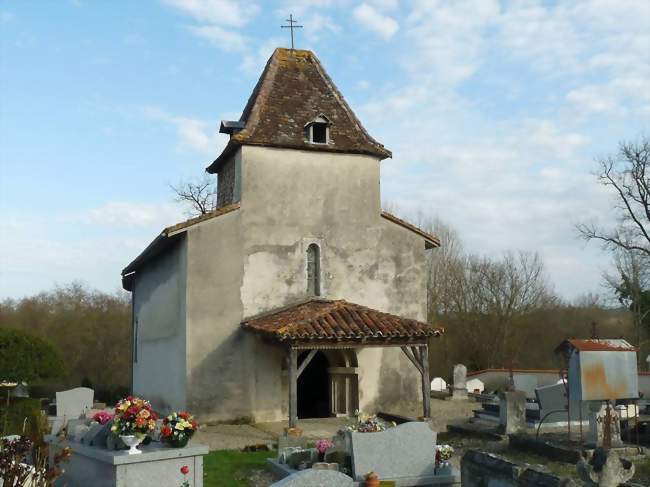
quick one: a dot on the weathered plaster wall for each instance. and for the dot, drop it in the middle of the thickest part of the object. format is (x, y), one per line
(219, 352)
(159, 308)
(291, 198)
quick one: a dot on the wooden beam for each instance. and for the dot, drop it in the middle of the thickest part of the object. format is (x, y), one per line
(412, 358)
(426, 386)
(305, 362)
(293, 387)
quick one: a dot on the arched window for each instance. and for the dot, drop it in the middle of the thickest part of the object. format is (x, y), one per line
(313, 270)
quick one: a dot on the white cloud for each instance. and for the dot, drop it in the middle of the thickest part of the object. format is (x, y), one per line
(383, 25)
(121, 213)
(194, 134)
(224, 39)
(218, 20)
(219, 12)
(254, 62)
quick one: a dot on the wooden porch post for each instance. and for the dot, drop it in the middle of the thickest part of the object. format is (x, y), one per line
(426, 386)
(293, 387)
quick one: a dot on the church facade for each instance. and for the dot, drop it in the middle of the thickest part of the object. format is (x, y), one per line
(297, 296)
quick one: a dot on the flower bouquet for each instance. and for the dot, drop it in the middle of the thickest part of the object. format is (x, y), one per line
(102, 417)
(322, 446)
(178, 428)
(443, 455)
(367, 423)
(133, 420)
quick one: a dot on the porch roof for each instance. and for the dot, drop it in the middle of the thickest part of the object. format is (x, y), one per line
(326, 321)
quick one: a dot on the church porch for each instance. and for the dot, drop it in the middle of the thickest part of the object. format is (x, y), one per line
(323, 335)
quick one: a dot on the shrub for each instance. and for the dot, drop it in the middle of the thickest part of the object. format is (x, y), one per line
(25, 357)
(20, 408)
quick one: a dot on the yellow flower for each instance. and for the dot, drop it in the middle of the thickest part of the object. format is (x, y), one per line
(180, 427)
(144, 413)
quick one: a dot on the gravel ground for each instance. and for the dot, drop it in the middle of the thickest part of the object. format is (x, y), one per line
(238, 436)
(232, 436)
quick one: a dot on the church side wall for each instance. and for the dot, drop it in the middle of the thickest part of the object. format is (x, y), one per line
(292, 198)
(218, 350)
(159, 309)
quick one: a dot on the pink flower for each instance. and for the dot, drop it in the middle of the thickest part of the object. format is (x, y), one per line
(185, 469)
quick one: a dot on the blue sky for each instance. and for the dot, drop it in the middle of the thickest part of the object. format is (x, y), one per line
(494, 112)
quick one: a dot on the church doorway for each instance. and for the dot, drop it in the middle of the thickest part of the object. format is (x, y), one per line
(313, 387)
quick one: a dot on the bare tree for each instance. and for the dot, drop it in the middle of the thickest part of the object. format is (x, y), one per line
(625, 174)
(200, 196)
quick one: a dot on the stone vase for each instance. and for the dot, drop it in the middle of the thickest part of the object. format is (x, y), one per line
(132, 441)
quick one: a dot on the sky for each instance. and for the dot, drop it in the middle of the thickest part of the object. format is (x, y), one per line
(494, 112)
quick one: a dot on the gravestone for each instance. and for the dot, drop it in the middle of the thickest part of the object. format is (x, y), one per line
(599, 417)
(403, 452)
(316, 478)
(93, 433)
(74, 402)
(475, 386)
(438, 384)
(512, 412)
(526, 383)
(605, 469)
(295, 458)
(460, 382)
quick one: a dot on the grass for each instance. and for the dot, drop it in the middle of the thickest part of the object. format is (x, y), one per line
(19, 409)
(229, 468)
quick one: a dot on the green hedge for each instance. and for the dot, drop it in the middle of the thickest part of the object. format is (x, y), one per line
(19, 409)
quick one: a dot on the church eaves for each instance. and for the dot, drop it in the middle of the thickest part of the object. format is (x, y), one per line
(292, 91)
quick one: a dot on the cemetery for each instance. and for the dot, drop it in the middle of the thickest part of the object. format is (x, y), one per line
(290, 331)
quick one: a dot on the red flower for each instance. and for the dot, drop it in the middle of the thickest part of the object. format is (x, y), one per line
(184, 415)
(185, 469)
(166, 431)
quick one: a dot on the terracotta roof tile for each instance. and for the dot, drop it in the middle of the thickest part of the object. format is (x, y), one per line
(292, 91)
(319, 319)
(597, 345)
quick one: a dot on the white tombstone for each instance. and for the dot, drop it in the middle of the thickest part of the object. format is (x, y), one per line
(438, 384)
(475, 385)
(648, 361)
(74, 402)
(460, 382)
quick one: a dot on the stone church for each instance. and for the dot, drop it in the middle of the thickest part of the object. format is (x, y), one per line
(298, 296)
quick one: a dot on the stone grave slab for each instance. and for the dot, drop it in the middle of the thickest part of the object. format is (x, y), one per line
(526, 383)
(74, 402)
(405, 451)
(316, 478)
(512, 412)
(93, 432)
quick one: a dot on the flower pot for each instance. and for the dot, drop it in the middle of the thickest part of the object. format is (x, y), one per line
(179, 442)
(443, 468)
(132, 441)
(372, 482)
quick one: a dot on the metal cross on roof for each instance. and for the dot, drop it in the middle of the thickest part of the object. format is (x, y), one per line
(291, 26)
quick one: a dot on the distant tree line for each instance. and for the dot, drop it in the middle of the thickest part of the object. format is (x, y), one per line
(90, 329)
(501, 312)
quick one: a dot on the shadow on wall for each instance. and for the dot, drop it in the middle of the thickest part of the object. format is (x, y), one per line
(399, 384)
(218, 387)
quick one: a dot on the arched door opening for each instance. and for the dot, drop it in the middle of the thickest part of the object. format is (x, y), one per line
(313, 387)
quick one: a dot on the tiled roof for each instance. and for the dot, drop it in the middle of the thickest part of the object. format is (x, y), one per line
(432, 240)
(292, 91)
(597, 345)
(201, 218)
(325, 320)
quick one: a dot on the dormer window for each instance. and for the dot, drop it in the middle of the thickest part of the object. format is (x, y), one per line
(318, 130)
